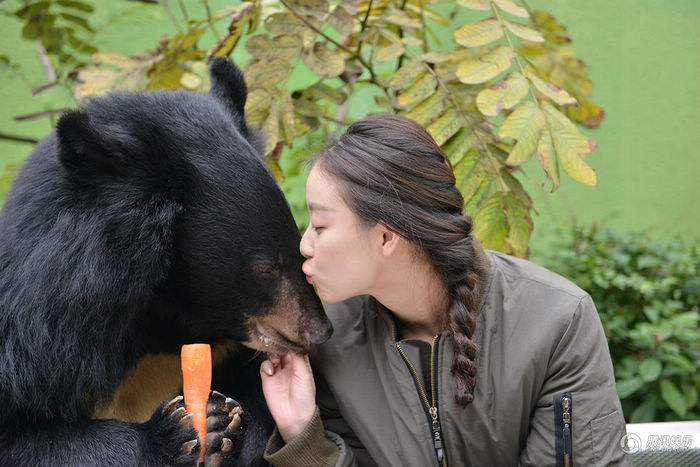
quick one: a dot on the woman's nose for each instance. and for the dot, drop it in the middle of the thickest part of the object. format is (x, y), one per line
(305, 246)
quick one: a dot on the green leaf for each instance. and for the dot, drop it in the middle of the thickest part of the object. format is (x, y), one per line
(284, 47)
(480, 33)
(680, 361)
(456, 148)
(430, 108)
(77, 20)
(422, 88)
(324, 62)
(406, 74)
(503, 223)
(644, 413)
(626, 388)
(505, 94)
(524, 125)
(477, 71)
(447, 125)
(512, 8)
(524, 32)
(673, 397)
(559, 96)
(519, 224)
(650, 369)
(475, 4)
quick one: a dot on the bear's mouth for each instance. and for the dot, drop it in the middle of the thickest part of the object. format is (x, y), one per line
(275, 342)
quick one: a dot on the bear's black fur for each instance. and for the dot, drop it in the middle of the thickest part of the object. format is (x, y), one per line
(144, 222)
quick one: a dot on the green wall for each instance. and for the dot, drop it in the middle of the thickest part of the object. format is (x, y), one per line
(644, 60)
(643, 57)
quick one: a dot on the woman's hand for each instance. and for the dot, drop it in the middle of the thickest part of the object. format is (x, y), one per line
(290, 392)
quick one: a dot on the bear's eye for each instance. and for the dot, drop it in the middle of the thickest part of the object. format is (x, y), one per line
(265, 270)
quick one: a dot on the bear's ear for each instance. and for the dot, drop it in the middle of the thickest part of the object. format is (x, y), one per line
(228, 85)
(82, 148)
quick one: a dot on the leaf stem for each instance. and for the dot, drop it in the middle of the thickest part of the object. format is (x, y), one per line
(516, 54)
(358, 56)
(172, 16)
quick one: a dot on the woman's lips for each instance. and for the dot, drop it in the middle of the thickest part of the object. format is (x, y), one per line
(309, 279)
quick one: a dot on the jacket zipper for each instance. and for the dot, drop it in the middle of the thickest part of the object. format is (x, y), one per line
(563, 428)
(431, 409)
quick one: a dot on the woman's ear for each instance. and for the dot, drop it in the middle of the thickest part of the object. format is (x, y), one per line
(390, 240)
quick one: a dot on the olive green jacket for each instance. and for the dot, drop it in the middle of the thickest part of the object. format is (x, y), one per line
(545, 392)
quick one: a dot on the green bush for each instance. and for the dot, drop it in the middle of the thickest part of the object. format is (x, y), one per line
(647, 294)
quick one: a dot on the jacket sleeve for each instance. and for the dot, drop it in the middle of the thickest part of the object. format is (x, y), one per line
(327, 441)
(579, 368)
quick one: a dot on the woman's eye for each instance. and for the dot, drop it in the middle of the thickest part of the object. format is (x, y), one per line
(317, 228)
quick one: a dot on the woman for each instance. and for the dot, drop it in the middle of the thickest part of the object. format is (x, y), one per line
(443, 354)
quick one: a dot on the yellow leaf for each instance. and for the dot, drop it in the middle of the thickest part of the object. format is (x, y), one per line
(519, 224)
(523, 125)
(509, 7)
(548, 159)
(468, 171)
(480, 33)
(559, 96)
(490, 224)
(571, 162)
(562, 125)
(406, 74)
(287, 23)
(117, 60)
(475, 4)
(190, 80)
(587, 113)
(430, 108)
(524, 32)
(287, 117)
(503, 95)
(266, 74)
(422, 88)
(447, 125)
(324, 62)
(395, 16)
(270, 129)
(284, 47)
(389, 52)
(340, 20)
(315, 8)
(258, 99)
(477, 71)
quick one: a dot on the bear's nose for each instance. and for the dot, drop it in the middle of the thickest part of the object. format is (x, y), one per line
(318, 334)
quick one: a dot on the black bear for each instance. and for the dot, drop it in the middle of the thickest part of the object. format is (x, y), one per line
(144, 222)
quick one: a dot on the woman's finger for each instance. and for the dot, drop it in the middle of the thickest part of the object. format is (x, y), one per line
(267, 368)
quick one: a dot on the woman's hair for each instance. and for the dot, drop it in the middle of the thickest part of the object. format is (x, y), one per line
(391, 171)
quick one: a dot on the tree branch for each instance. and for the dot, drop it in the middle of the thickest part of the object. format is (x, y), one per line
(20, 139)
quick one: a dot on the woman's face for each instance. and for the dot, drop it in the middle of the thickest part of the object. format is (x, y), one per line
(342, 256)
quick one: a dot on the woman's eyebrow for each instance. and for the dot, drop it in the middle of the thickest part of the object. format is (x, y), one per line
(318, 207)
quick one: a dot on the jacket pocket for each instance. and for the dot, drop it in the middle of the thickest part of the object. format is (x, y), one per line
(563, 430)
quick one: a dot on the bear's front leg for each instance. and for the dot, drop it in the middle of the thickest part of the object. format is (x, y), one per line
(224, 431)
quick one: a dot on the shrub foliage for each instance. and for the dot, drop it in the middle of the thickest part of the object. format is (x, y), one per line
(647, 294)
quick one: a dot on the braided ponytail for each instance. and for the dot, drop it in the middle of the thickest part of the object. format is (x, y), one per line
(393, 159)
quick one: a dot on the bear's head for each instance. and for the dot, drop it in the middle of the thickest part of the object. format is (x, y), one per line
(178, 214)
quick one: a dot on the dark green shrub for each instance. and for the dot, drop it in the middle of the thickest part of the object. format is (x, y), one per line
(647, 294)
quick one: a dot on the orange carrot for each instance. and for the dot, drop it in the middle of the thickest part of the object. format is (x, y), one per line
(196, 384)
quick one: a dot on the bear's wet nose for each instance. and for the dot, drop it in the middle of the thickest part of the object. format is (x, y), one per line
(319, 334)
